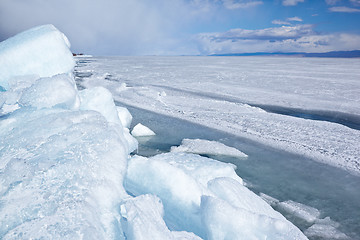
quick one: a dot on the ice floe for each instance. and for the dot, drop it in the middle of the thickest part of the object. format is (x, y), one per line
(141, 131)
(201, 146)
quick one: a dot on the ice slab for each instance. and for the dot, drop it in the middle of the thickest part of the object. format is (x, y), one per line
(301, 211)
(234, 193)
(124, 116)
(325, 229)
(269, 199)
(224, 221)
(142, 131)
(201, 146)
(42, 51)
(206, 197)
(56, 91)
(99, 99)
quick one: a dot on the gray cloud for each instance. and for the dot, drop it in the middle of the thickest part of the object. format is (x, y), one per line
(105, 27)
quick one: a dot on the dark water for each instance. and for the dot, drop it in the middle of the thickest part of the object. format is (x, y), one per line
(279, 174)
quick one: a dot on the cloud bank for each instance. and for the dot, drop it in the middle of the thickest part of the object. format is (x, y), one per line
(176, 27)
(299, 38)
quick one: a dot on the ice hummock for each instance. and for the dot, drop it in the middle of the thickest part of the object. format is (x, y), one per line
(62, 162)
(201, 146)
(42, 51)
(65, 155)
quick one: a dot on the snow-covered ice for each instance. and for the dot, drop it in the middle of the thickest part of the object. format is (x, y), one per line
(232, 94)
(201, 146)
(141, 131)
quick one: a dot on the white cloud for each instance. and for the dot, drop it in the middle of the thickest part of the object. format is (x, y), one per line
(233, 4)
(332, 2)
(300, 38)
(280, 22)
(294, 19)
(291, 2)
(355, 2)
(344, 9)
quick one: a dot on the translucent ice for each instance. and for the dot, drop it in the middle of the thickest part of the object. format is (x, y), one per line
(201, 146)
(58, 91)
(42, 51)
(61, 167)
(141, 131)
(142, 218)
(224, 221)
(125, 116)
(56, 179)
(325, 229)
(99, 99)
(301, 211)
(205, 196)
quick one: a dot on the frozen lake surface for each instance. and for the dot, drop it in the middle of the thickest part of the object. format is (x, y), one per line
(297, 119)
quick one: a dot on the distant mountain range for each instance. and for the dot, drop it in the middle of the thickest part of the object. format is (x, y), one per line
(333, 54)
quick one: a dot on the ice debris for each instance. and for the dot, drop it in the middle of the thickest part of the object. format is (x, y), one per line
(201, 146)
(142, 131)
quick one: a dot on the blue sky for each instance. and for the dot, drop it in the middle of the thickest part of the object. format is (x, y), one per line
(191, 27)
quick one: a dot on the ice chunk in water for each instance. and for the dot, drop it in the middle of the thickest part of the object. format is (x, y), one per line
(201, 146)
(224, 221)
(141, 131)
(325, 229)
(241, 197)
(298, 210)
(270, 200)
(182, 180)
(42, 51)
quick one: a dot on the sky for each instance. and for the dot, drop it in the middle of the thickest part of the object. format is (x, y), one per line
(191, 27)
